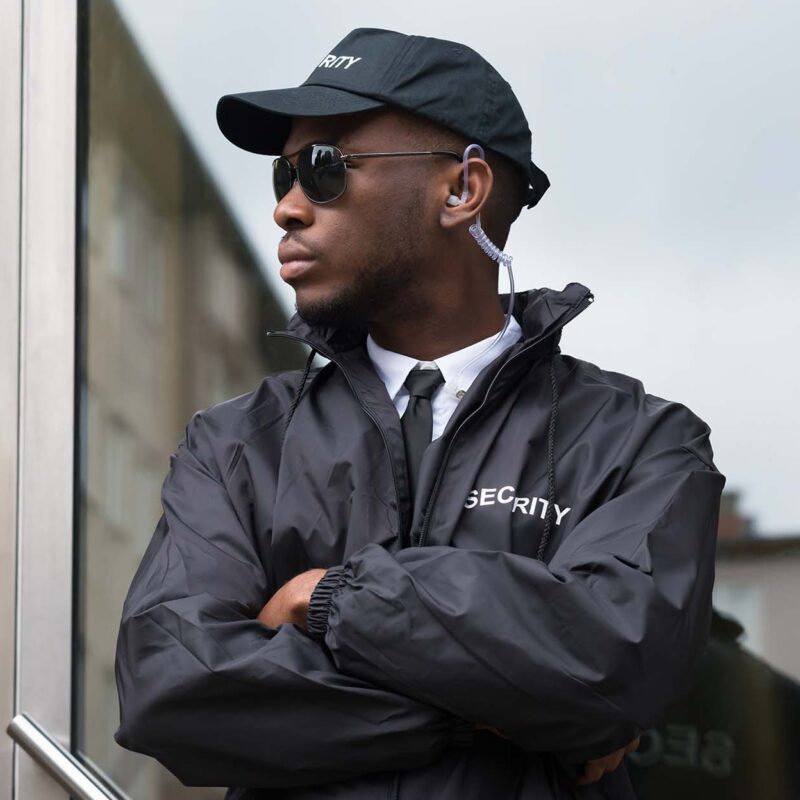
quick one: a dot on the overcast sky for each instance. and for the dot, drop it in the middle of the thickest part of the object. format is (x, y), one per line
(670, 133)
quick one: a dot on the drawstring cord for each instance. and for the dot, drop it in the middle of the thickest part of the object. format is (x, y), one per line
(551, 459)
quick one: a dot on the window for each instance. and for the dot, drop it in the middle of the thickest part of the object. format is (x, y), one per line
(176, 307)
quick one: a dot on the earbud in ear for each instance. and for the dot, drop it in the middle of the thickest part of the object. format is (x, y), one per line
(453, 201)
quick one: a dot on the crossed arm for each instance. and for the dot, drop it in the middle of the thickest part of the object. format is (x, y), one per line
(217, 687)
(289, 605)
(573, 657)
(219, 698)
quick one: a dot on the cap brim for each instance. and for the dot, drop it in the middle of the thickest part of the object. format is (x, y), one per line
(539, 183)
(260, 121)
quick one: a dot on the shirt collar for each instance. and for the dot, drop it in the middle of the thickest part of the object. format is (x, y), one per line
(456, 369)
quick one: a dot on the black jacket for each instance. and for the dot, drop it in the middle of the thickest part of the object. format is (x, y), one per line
(732, 737)
(552, 580)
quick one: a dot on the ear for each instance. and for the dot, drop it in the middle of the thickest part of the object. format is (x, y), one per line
(479, 187)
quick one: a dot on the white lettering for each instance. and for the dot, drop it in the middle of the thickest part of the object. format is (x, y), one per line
(510, 490)
(520, 504)
(332, 61)
(561, 514)
(682, 746)
(487, 497)
(717, 754)
(505, 495)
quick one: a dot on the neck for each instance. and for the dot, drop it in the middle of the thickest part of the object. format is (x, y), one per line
(443, 330)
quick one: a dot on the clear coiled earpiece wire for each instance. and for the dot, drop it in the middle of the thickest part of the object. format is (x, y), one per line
(491, 250)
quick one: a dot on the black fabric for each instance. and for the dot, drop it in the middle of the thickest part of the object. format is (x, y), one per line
(443, 81)
(417, 419)
(320, 601)
(409, 647)
(732, 737)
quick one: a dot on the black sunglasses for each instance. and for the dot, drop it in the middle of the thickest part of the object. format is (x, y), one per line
(322, 170)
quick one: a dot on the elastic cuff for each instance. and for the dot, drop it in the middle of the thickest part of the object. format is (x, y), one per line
(320, 602)
(462, 733)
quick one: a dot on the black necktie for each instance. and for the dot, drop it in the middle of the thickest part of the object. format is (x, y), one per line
(417, 420)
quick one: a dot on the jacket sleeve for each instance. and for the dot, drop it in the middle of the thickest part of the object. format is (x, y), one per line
(576, 655)
(218, 697)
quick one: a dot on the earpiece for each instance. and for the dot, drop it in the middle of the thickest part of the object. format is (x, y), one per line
(485, 243)
(476, 231)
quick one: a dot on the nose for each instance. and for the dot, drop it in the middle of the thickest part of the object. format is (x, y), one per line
(294, 210)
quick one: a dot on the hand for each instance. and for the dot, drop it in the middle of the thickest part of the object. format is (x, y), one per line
(290, 602)
(597, 767)
(594, 769)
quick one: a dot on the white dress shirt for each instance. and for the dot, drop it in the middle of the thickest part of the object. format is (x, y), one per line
(458, 373)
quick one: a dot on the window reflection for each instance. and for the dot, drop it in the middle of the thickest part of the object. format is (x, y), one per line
(734, 734)
(175, 314)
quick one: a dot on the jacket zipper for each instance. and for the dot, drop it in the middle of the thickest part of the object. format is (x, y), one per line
(327, 354)
(440, 474)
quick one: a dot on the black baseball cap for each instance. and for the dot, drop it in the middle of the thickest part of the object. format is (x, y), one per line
(444, 81)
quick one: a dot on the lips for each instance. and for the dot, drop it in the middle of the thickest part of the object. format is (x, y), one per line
(290, 270)
(294, 262)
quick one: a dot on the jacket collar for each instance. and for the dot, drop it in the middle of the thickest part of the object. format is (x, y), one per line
(538, 311)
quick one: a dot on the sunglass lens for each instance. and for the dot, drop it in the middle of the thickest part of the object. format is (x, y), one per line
(321, 172)
(282, 178)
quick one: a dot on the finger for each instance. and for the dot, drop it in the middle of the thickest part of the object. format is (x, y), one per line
(634, 745)
(613, 760)
(592, 772)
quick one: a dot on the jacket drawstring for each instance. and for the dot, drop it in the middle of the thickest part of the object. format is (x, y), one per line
(551, 459)
(298, 393)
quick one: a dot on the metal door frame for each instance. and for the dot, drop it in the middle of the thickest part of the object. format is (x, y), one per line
(10, 185)
(38, 112)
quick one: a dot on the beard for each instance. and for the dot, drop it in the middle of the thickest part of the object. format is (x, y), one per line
(376, 292)
(385, 287)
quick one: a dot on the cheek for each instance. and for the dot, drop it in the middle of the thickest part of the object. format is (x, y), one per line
(356, 234)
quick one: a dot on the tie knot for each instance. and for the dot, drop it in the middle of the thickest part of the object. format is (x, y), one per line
(423, 382)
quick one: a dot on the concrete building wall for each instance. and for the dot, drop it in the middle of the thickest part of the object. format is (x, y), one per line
(759, 585)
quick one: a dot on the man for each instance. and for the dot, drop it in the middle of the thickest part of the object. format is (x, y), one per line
(448, 563)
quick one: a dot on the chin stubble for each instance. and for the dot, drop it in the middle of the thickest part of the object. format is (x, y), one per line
(383, 288)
